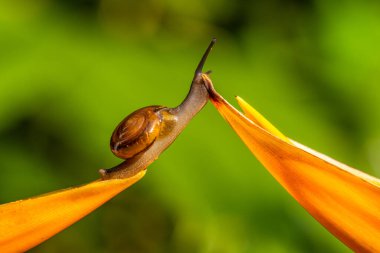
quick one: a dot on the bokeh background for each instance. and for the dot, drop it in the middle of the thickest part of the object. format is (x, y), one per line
(71, 70)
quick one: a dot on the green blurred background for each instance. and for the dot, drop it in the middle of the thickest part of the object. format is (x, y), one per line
(71, 70)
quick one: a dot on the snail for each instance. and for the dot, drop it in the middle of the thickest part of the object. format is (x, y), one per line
(144, 134)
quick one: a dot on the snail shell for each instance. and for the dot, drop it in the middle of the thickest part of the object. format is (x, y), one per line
(136, 132)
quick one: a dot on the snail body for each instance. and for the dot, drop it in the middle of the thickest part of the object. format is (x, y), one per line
(143, 135)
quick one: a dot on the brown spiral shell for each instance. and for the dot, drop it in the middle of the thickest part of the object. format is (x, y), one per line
(136, 132)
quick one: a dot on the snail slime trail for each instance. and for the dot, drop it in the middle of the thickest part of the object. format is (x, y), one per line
(143, 135)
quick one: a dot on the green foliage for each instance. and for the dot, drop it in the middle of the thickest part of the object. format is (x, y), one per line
(71, 70)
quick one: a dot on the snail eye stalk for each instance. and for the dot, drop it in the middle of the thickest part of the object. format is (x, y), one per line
(199, 68)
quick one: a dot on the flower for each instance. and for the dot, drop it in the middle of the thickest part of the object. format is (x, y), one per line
(344, 200)
(26, 223)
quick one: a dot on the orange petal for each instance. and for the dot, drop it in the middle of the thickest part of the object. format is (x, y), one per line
(344, 200)
(27, 223)
(259, 119)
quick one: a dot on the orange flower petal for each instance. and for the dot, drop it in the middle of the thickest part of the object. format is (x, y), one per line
(27, 223)
(344, 200)
(259, 119)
